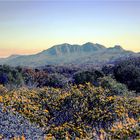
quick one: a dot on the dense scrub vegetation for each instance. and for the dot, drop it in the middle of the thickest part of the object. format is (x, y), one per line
(74, 102)
(82, 111)
(127, 72)
(53, 76)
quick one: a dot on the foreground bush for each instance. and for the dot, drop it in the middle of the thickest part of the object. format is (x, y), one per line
(83, 111)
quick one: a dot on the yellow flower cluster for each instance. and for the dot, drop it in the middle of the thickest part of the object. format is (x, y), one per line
(1, 99)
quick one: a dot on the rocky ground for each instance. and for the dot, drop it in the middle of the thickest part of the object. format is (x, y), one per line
(13, 125)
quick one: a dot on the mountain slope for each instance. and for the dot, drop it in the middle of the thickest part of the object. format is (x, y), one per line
(66, 54)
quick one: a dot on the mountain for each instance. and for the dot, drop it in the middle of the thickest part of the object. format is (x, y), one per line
(4, 60)
(88, 53)
(64, 49)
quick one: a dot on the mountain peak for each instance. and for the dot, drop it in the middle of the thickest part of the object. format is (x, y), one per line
(118, 47)
(88, 43)
(64, 44)
(88, 47)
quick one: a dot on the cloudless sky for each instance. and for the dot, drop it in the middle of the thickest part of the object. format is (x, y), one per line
(27, 27)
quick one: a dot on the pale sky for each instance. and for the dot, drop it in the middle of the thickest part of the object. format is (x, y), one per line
(28, 27)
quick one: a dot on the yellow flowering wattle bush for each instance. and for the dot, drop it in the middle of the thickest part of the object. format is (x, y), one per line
(79, 112)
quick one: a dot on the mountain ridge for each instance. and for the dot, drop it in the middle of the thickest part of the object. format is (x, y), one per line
(66, 54)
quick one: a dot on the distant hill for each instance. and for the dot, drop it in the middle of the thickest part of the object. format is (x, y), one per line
(88, 53)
